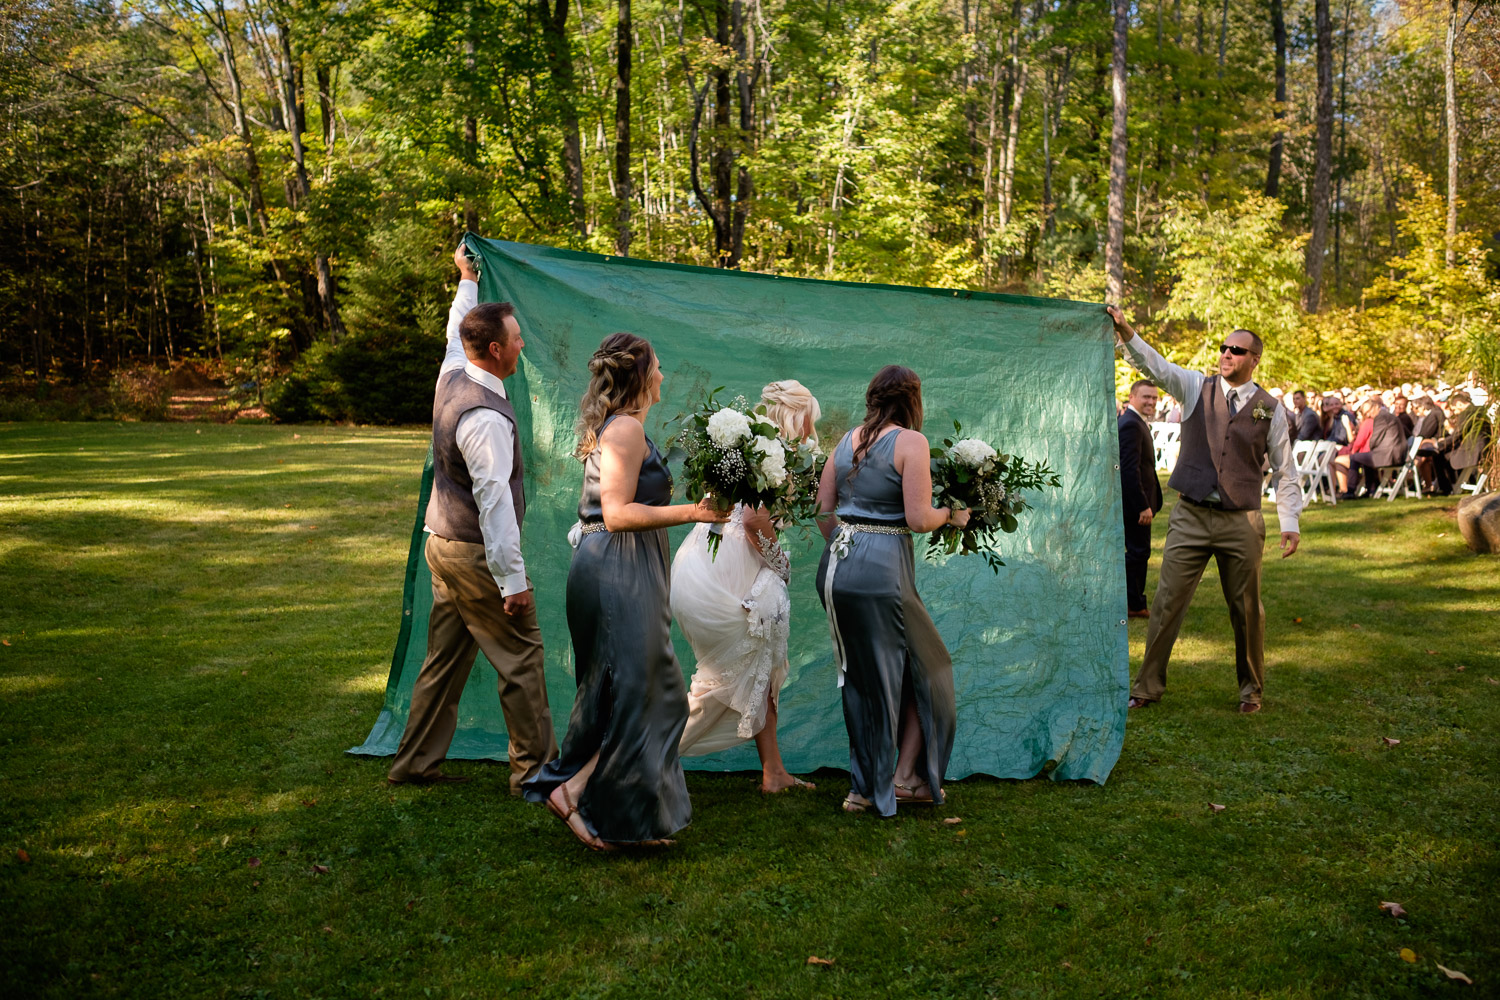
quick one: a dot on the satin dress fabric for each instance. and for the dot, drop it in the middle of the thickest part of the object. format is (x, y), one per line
(890, 644)
(631, 704)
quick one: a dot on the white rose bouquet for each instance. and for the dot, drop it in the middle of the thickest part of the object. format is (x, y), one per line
(735, 454)
(970, 473)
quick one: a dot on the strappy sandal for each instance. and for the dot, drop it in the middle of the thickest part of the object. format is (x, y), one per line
(912, 799)
(851, 806)
(796, 784)
(566, 812)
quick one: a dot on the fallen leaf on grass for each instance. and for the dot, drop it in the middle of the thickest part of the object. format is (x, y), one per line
(1389, 741)
(1067, 965)
(327, 929)
(952, 820)
(253, 863)
(1407, 955)
(1358, 625)
(309, 803)
(960, 833)
(1454, 974)
(815, 960)
(1461, 669)
(1492, 680)
(1216, 807)
(296, 437)
(1432, 652)
(1297, 620)
(22, 856)
(321, 869)
(255, 885)
(1394, 909)
(5, 641)
(286, 505)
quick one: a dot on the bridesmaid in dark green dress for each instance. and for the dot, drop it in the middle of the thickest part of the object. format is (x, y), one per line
(894, 670)
(618, 779)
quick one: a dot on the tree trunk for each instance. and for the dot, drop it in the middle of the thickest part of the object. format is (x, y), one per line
(1278, 141)
(1323, 159)
(1016, 88)
(1114, 245)
(1451, 92)
(560, 64)
(623, 190)
(1338, 185)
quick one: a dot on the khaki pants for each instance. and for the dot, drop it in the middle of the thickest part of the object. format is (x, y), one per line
(1235, 539)
(468, 614)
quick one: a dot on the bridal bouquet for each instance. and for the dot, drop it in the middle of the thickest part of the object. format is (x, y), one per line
(970, 473)
(734, 454)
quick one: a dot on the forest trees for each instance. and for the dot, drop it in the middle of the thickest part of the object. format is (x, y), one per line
(262, 180)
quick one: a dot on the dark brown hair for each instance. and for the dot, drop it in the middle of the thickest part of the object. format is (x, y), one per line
(894, 397)
(619, 374)
(485, 325)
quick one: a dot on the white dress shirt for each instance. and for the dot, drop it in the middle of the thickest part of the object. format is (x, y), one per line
(1187, 387)
(484, 440)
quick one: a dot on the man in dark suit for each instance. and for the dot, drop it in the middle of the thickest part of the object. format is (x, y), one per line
(1386, 447)
(1139, 489)
(1465, 446)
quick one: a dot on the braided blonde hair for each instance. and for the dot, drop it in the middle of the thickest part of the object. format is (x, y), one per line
(619, 374)
(787, 401)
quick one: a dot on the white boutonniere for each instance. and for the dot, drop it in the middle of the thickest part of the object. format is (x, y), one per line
(1261, 412)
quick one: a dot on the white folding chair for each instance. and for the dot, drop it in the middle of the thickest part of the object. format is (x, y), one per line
(1168, 446)
(1393, 477)
(1314, 469)
(1477, 486)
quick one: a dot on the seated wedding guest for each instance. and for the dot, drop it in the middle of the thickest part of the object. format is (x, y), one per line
(1140, 491)
(1334, 424)
(1429, 424)
(481, 598)
(619, 779)
(1400, 406)
(1467, 444)
(895, 672)
(1380, 444)
(733, 608)
(1173, 408)
(1305, 426)
(1342, 473)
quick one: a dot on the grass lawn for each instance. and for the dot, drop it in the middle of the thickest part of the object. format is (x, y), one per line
(197, 621)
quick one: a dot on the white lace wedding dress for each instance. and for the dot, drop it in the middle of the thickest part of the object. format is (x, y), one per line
(733, 608)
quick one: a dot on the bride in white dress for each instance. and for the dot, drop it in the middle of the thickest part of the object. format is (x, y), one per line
(733, 609)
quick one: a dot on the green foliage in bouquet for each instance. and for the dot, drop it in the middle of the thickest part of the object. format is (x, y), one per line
(970, 473)
(735, 454)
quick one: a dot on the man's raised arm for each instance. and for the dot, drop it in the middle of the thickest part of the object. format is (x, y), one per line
(1183, 384)
(466, 298)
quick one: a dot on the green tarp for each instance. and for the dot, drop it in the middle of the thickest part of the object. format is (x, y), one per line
(1039, 650)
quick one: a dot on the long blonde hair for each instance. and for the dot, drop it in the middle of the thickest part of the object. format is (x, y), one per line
(786, 403)
(619, 376)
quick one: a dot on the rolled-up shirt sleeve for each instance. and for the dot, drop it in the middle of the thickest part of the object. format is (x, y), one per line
(1186, 386)
(1284, 473)
(484, 439)
(466, 298)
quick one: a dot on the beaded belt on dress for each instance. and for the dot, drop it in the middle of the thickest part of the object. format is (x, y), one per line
(876, 529)
(589, 527)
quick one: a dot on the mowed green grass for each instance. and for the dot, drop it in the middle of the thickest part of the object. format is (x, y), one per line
(198, 621)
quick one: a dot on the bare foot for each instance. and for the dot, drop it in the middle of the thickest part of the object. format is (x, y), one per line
(783, 782)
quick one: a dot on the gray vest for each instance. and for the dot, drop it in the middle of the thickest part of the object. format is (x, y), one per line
(451, 511)
(1224, 453)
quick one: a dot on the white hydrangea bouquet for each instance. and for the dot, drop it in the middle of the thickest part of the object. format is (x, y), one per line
(734, 454)
(968, 472)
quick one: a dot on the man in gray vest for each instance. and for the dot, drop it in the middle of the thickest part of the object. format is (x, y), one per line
(1230, 426)
(481, 598)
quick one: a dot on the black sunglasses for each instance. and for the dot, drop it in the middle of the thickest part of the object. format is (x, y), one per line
(1238, 352)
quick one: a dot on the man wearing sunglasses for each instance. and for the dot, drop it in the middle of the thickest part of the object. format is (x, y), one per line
(1230, 427)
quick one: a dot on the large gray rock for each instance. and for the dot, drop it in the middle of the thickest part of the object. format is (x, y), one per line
(1479, 520)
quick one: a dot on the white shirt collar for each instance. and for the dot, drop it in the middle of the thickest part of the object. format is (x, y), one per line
(485, 379)
(1138, 413)
(1238, 392)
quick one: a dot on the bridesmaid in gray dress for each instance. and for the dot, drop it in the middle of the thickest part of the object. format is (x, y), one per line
(619, 779)
(896, 676)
